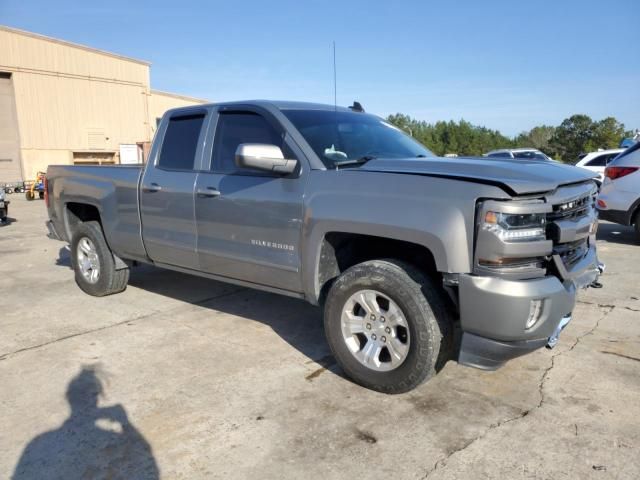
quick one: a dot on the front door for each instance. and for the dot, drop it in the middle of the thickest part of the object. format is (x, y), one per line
(249, 222)
(167, 190)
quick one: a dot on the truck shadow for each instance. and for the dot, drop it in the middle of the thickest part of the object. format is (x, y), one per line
(295, 321)
(93, 442)
(8, 221)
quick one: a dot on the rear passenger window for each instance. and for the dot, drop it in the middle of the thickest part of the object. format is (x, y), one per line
(181, 142)
(236, 128)
(600, 161)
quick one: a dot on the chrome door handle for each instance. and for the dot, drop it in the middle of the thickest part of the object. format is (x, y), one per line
(154, 187)
(208, 192)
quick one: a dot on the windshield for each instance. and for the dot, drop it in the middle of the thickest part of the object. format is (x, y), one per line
(338, 137)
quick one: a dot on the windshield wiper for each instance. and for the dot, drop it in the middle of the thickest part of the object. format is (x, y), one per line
(355, 161)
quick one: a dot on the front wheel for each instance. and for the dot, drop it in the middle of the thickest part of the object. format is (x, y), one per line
(387, 325)
(93, 263)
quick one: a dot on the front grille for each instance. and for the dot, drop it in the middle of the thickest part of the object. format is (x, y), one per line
(572, 210)
(571, 252)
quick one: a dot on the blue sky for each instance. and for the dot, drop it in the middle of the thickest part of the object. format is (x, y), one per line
(508, 65)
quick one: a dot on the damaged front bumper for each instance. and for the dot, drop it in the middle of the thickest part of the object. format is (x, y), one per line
(503, 319)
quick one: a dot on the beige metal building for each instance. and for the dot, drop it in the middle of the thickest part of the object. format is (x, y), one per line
(63, 103)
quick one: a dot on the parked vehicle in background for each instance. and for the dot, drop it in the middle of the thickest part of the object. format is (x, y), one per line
(344, 210)
(35, 188)
(519, 153)
(619, 198)
(597, 161)
(4, 206)
(630, 141)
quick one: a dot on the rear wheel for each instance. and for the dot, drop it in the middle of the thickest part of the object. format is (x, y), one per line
(636, 224)
(387, 325)
(93, 263)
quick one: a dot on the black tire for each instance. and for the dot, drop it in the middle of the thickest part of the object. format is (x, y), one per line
(426, 314)
(636, 225)
(29, 195)
(110, 280)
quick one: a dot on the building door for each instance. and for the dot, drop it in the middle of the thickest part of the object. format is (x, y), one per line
(10, 170)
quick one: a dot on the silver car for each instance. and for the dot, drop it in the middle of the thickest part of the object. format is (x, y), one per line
(519, 154)
(619, 198)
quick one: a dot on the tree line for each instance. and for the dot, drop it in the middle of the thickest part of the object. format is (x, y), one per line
(575, 135)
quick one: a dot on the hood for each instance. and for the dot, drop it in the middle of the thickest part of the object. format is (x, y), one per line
(518, 177)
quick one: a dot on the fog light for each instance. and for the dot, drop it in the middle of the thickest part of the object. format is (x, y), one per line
(535, 312)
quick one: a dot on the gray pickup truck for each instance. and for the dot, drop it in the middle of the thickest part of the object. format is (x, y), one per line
(415, 259)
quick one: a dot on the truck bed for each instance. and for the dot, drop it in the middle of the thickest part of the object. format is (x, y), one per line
(112, 190)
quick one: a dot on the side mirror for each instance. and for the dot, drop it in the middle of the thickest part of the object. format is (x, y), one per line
(263, 157)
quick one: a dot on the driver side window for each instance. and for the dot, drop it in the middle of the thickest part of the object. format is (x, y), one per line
(235, 128)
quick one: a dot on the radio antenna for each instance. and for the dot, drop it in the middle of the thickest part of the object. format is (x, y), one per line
(335, 85)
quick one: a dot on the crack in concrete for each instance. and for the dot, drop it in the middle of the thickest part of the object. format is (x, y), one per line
(607, 309)
(4, 356)
(621, 355)
(606, 305)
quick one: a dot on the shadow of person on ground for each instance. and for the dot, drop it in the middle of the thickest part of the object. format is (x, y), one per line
(94, 442)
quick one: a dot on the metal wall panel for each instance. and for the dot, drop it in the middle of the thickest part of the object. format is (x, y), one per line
(71, 98)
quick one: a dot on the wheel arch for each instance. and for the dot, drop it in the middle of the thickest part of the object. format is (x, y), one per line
(76, 213)
(336, 251)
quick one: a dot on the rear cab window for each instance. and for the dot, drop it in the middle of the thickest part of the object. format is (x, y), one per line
(180, 142)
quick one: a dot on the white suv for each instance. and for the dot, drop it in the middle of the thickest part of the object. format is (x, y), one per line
(597, 161)
(619, 198)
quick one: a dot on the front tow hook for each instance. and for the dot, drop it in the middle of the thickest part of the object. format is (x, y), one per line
(601, 268)
(553, 339)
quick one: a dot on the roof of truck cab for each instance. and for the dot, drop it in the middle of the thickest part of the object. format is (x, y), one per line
(284, 105)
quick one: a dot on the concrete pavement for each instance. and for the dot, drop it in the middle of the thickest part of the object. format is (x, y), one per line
(182, 377)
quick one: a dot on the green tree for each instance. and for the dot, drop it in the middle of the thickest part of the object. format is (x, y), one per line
(575, 135)
(537, 137)
(462, 138)
(571, 138)
(607, 133)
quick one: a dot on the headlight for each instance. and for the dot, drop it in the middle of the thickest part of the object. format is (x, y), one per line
(516, 227)
(512, 238)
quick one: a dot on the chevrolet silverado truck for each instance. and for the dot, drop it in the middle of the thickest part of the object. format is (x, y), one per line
(415, 259)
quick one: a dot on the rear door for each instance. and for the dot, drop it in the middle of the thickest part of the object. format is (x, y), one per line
(167, 189)
(249, 223)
